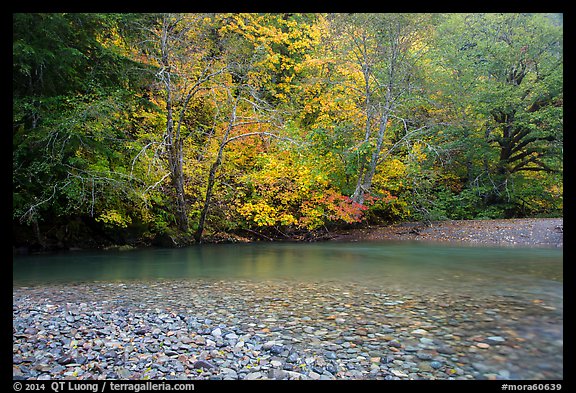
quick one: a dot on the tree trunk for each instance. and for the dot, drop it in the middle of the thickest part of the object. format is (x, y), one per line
(173, 141)
(176, 171)
(358, 195)
(210, 186)
(367, 175)
(367, 170)
(212, 175)
(39, 237)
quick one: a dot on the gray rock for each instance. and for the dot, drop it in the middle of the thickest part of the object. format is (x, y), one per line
(435, 364)
(292, 358)
(399, 373)
(318, 370)
(387, 359)
(123, 373)
(332, 368)
(228, 373)
(277, 374)
(445, 350)
(111, 354)
(231, 336)
(54, 370)
(179, 367)
(203, 364)
(276, 349)
(67, 360)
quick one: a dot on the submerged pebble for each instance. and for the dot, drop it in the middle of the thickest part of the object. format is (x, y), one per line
(218, 329)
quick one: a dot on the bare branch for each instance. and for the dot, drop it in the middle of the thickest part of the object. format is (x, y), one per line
(270, 134)
(29, 214)
(404, 138)
(142, 151)
(155, 184)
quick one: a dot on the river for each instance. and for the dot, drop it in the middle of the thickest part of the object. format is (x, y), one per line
(523, 285)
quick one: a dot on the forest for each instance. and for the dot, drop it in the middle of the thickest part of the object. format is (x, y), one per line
(175, 129)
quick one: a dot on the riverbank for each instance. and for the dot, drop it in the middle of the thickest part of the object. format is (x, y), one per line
(281, 329)
(544, 232)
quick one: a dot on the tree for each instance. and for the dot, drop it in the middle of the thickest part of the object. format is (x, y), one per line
(182, 48)
(74, 94)
(511, 65)
(383, 50)
(186, 124)
(241, 95)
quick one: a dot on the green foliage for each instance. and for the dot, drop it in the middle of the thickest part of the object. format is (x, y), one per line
(461, 117)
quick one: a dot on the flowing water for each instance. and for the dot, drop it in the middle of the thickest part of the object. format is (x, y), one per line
(512, 291)
(448, 268)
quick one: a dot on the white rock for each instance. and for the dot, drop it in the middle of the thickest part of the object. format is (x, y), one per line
(254, 375)
(398, 373)
(269, 344)
(216, 332)
(314, 375)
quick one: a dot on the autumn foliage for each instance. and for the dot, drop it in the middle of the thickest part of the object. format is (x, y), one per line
(139, 127)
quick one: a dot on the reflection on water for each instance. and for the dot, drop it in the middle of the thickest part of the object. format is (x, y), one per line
(496, 270)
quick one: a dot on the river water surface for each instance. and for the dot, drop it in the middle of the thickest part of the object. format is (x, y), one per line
(528, 280)
(458, 268)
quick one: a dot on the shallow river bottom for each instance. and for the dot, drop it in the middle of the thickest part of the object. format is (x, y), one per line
(281, 329)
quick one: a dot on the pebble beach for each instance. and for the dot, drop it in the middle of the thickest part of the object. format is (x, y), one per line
(279, 329)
